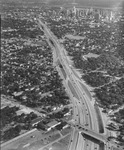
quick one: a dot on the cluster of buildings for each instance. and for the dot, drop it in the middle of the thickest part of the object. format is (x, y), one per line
(104, 14)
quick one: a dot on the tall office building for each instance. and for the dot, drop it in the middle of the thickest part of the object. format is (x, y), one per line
(82, 13)
(122, 14)
(74, 10)
(69, 13)
(111, 15)
(121, 33)
(96, 16)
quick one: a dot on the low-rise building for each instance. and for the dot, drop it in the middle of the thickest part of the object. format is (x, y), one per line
(52, 125)
(36, 121)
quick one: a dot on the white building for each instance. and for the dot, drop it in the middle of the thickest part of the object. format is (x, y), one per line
(52, 124)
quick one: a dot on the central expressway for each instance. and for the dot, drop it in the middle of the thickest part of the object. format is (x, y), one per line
(85, 121)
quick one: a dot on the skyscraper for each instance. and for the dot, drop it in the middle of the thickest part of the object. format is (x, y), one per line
(96, 16)
(74, 10)
(121, 33)
(122, 14)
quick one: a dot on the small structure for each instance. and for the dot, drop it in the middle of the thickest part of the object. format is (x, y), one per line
(52, 125)
(23, 110)
(36, 121)
(67, 125)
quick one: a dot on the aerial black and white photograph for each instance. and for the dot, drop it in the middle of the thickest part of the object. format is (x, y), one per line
(62, 75)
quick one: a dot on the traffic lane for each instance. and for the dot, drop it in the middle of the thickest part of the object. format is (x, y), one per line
(72, 98)
(75, 109)
(88, 145)
(74, 141)
(96, 146)
(84, 118)
(71, 86)
(86, 91)
(71, 138)
(82, 107)
(91, 110)
(73, 90)
(82, 111)
(80, 143)
(84, 101)
(76, 118)
(82, 114)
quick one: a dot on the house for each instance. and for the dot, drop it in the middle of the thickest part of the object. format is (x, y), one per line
(67, 125)
(52, 125)
(36, 121)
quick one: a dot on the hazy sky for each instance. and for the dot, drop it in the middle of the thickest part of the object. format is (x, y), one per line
(91, 2)
(106, 3)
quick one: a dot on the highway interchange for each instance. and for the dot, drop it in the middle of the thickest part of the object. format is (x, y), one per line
(84, 117)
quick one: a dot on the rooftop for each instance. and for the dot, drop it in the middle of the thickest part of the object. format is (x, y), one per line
(36, 120)
(52, 123)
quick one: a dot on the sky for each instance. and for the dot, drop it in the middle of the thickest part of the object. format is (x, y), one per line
(99, 3)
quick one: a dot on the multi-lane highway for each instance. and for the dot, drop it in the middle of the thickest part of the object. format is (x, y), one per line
(70, 84)
(84, 113)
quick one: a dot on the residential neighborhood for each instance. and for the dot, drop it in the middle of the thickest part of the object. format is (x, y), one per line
(62, 75)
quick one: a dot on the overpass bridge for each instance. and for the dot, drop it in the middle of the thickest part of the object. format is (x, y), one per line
(98, 136)
(91, 133)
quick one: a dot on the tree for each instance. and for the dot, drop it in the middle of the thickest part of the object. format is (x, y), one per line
(40, 125)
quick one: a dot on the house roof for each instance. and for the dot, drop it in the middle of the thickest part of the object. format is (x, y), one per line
(36, 120)
(50, 124)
